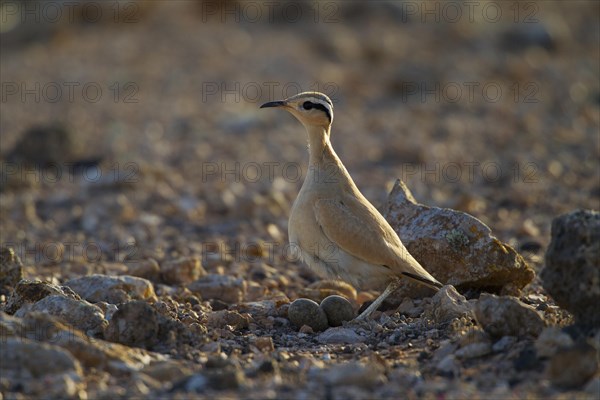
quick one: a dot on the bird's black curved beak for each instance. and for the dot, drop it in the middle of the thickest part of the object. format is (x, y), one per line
(274, 104)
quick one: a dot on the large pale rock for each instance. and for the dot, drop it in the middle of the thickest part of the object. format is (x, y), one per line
(572, 272)
(112, 289)
(28, 292)
(78, 313)
(455, 247)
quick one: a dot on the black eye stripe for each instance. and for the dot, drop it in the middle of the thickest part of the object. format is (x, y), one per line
(309, 105)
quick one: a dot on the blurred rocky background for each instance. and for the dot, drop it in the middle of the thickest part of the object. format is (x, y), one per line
(140, 182)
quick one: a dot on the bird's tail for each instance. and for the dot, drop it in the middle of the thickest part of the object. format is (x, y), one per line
(434, 284)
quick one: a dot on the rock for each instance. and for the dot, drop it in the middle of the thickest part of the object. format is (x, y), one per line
(97, 353)
(507, 316)
(522, 36)
(261, 271)
(25, 359)
(338, 309)
(226, 379)
(408, 308)
(264, 344)
(306, 329)
(141, 384)
(218, 305)
(446, 305)
(307, 312)
(573, 368)
(194, 383)
(11, 270)
(112, 289)
(222, 287)
(182, 270)
(167, 370)
(340, 335)
(78, 313)
(56, 386)
(254, 291)
(593, 387)
(446, 348)
(552, 340)
(527, 360)
(474, 350)
(448, 365)
(219, 319)
(147, 268)
(43, 146)
(504, 344)
(572, 272)
(29, 292)
(260, 309)
(134, 324)
(473, 335)
(355, 374)
(455, 247)
(108, 309)
(268, 366)
(223, 374)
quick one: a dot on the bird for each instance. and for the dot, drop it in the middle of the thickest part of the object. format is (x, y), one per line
(338, 232)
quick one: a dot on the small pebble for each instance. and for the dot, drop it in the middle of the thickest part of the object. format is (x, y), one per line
(573, 368)
(504, 343)
(551, 341)
(448, 365)
(182, 270)
(340, 335)
(474, 350)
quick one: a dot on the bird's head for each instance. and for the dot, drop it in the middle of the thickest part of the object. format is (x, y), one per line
(310, 108)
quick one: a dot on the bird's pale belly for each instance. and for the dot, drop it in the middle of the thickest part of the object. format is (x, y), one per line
(327, 259)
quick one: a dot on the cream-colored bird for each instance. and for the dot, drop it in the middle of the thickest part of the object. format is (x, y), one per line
(339, 233)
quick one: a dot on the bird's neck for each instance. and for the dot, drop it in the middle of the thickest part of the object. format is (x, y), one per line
(324, 166)
(319, 146)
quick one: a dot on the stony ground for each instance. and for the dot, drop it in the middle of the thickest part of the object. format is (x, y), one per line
(132, 145)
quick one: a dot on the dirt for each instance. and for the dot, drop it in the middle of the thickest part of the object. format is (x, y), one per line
(168, 157)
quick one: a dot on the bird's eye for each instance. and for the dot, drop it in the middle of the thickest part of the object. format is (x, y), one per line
(307, 105)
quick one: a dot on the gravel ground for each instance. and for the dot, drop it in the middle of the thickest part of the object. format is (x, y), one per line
(132, 144)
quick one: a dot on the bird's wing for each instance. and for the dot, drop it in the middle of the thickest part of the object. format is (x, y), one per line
(359, 229)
